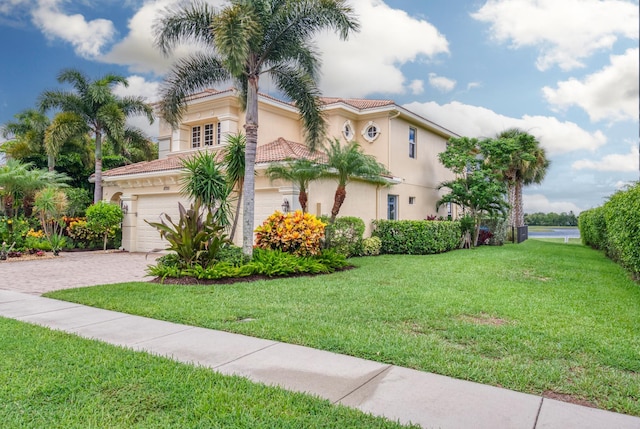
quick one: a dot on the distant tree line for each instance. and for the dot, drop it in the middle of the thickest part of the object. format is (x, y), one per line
(551, 219)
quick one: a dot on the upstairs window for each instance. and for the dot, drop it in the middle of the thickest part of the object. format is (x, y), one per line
(195, 136)
(203, 135)
(371, 132)
(412, 142)
(208, 135)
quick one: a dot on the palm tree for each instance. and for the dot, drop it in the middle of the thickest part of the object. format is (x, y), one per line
(301, 172)
(234, 165)
(245, 40)
(527, 164)
(350, 162)
(27, 135)
(93, 105)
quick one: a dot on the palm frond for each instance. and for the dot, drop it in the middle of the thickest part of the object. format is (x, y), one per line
(184, 23)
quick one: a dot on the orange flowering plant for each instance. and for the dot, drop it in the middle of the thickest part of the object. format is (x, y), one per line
(297, 233)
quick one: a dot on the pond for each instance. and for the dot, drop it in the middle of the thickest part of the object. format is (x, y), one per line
(551, 232)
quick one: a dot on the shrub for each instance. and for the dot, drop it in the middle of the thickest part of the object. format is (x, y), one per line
(344, 235)
(297, 233)
(498, 228)
(104, 218)
(593, 228)
(232, 255)
(622, 220)
(81, 234)
(371, 246)
(417, 237)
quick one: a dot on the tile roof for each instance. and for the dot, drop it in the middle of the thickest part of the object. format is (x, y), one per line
(358, 103)
(278, 150)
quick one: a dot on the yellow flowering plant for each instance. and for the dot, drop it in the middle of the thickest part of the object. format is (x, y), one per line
(298, 233)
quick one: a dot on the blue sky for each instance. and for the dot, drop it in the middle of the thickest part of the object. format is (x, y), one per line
(564, 70)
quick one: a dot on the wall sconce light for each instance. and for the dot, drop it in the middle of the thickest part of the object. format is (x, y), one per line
(125, 208)
(285, 206)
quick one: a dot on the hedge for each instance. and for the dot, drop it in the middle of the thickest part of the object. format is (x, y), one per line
(417, 237)
(615, 228)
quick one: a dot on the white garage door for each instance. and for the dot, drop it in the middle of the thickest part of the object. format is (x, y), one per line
(149, 208)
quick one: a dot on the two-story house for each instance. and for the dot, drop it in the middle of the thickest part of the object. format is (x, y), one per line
(406, 143)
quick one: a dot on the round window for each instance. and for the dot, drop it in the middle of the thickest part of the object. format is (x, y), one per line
(371, 132)
(347, 130)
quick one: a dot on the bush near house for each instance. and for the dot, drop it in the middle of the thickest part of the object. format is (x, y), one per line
(615, 228)
(419, 237)
(297, 233)
(344, 235)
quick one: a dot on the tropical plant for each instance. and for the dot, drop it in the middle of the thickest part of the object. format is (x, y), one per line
(26, 136)
(51, 205)
(93, 108)
(344, 235)
(298, 233)
(205, 182)
(196, 238)
(234, 165)
(348, 162)
(103, 218)
(299, 171)
(245, 40)
(526, 164)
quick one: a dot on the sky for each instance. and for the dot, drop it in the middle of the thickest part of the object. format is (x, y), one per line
(565, 71)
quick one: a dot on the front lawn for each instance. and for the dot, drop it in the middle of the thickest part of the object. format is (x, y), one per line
(539, 317)
(54, 380)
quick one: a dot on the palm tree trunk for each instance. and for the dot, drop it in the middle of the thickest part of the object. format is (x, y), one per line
(251, 131)
(518, 209)
(511, 192)
(51, 162)
(303, 198)
(237, 213)
(338, 199)
(97, 193)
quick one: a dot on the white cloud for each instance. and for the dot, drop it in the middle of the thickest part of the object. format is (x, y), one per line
(536, 203)
(139, 87)
(614, 162)
(473, 121)
(370, 61)
(87, 37)
(565, 31)
(472, 85)
(609, 94)
(441, 83)
(416, 87)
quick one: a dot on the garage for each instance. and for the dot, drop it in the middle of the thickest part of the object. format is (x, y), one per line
(149, 208)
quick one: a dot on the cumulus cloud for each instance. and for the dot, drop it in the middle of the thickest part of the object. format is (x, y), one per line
(441, 83)
(139, 87)
(555, 136)
(472, 85)
(417, 87)
(613, 162)
(565, 32)
(609, 94)
(536, 203)
(88, 38)
(371, 60)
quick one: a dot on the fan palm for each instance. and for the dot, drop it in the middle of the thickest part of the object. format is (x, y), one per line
(94, 108)
(299, 171)
(349, 162)
(527, 165)
(243, 41)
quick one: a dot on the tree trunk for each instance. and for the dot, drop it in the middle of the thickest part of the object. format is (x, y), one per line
(51, 163)
(237, 214)
(97, 192)
(251, 131)
(303, 198)
(518, 209)
(338, 199)
(511, 192)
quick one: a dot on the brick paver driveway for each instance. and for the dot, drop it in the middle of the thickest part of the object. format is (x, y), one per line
(73, 270)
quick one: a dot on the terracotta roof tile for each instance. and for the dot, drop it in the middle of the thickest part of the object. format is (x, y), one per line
(358, 103)
(275, 151)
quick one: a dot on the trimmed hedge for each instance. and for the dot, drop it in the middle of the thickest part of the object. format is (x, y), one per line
(417, 237)
(615, 228)
(344, 235)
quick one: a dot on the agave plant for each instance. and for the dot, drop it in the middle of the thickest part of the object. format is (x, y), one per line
(196, 237)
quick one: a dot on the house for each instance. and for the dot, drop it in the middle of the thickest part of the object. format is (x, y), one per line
(406, 143)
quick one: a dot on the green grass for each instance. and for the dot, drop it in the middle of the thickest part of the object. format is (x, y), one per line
(536, 317)
(51, 379)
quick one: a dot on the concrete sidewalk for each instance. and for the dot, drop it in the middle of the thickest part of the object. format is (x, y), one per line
(430, 400)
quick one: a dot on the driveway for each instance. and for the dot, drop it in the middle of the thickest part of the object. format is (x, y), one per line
(74, 269)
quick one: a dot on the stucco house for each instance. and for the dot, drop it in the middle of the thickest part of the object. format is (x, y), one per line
(406, 143)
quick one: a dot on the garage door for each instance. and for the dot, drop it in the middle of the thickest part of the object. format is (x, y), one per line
(150, 207)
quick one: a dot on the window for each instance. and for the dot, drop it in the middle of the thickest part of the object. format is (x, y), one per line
(371, 132)
(208, 135)
(219, 133)
(392, 207)
(412, 142)
(347, 131)
(195, 136)
(412, 200)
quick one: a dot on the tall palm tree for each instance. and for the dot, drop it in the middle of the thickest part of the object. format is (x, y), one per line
(527, 164)
(234, 165)
(243, 41)
(349, 162)
(27, 135)
(94, 105)
(301, 172)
